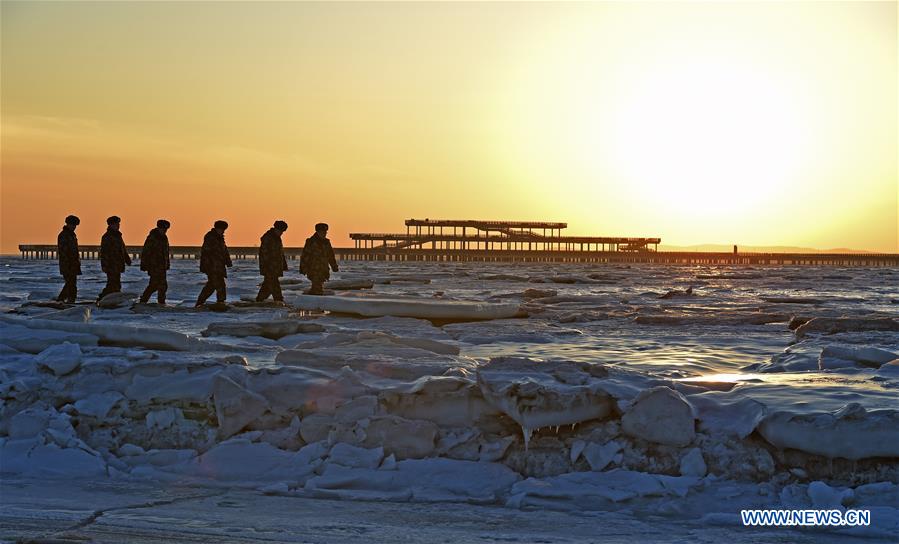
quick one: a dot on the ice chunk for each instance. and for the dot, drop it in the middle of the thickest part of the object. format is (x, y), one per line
(599, 456)
(115, 335)
(356, 457)
(29, 340)
(314, 355)
(117, 300)
(585, 489)
(841, 356)
(660, 415)
(76, 313)
(425, 480)
(889, 369)
(794, 300)
(577, 447)
(692, 463)
(539, 293)
(191, 383)
(266, 329)
(850, 433)
(541, 394)
(831, 325)
(825, 497)
(31, 456)
(423, 309)
(98, 405)
(235, 406)
(717, 412)
(61, 359)
(678, 293)
(720, 319)
(350, 284)
(30, 422)
(368, 341)
(402, 438)
(164, 418)
(241, 460)
(448, 401)
(316, 427)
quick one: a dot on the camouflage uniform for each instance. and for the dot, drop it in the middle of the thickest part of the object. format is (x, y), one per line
(155, 260)
(214, 260)
(317, 256)
(113, 260)
(272, 265)
(69, 263)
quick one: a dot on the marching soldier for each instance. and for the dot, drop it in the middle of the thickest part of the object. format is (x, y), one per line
(113, 256)
(317, 256)
(69, 259)
(272, 262)
(155, 260)
(214, 260)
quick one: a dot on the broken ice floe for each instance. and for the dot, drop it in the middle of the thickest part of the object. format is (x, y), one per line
(112, 334)
(850, 433)
(423, 309)
(267, 329)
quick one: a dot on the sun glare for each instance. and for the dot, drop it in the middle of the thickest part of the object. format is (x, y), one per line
(706, 137)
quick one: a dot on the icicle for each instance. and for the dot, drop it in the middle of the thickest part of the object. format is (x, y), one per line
(527, 436)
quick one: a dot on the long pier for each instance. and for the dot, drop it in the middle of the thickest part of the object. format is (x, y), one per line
(451, 240)
(48, 251)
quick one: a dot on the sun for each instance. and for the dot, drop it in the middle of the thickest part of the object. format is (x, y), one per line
(705, 137)
(691, 137)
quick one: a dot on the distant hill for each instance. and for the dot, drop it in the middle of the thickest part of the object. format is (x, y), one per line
(760, 249)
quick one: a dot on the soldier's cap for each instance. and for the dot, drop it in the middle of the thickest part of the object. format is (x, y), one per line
(321, 226)
(220, 224)
(280, 225)
(73, 220)
(163, 224)
(113, 220)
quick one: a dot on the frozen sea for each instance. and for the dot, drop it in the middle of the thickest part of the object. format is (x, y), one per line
(642, 397)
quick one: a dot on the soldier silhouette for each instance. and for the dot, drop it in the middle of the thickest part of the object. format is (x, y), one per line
(272, 262)
(317, 256)
(214, 260)
(113, 256)
(69, 259)
(155, 260)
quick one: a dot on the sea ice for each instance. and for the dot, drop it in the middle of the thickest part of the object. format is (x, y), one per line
(850, 433)
(692, 463)
(117, 300)
(660, 415)
(30, 340)
(585, 489)
(540, 394)
(842, 356)
(424, 309)
(115, 335)
(60, 359)
(267, 329)
(831, 325)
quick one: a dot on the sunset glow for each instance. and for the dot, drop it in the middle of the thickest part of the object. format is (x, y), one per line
(770, 123)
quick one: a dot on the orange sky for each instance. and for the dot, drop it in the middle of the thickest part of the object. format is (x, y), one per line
(750, 123)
